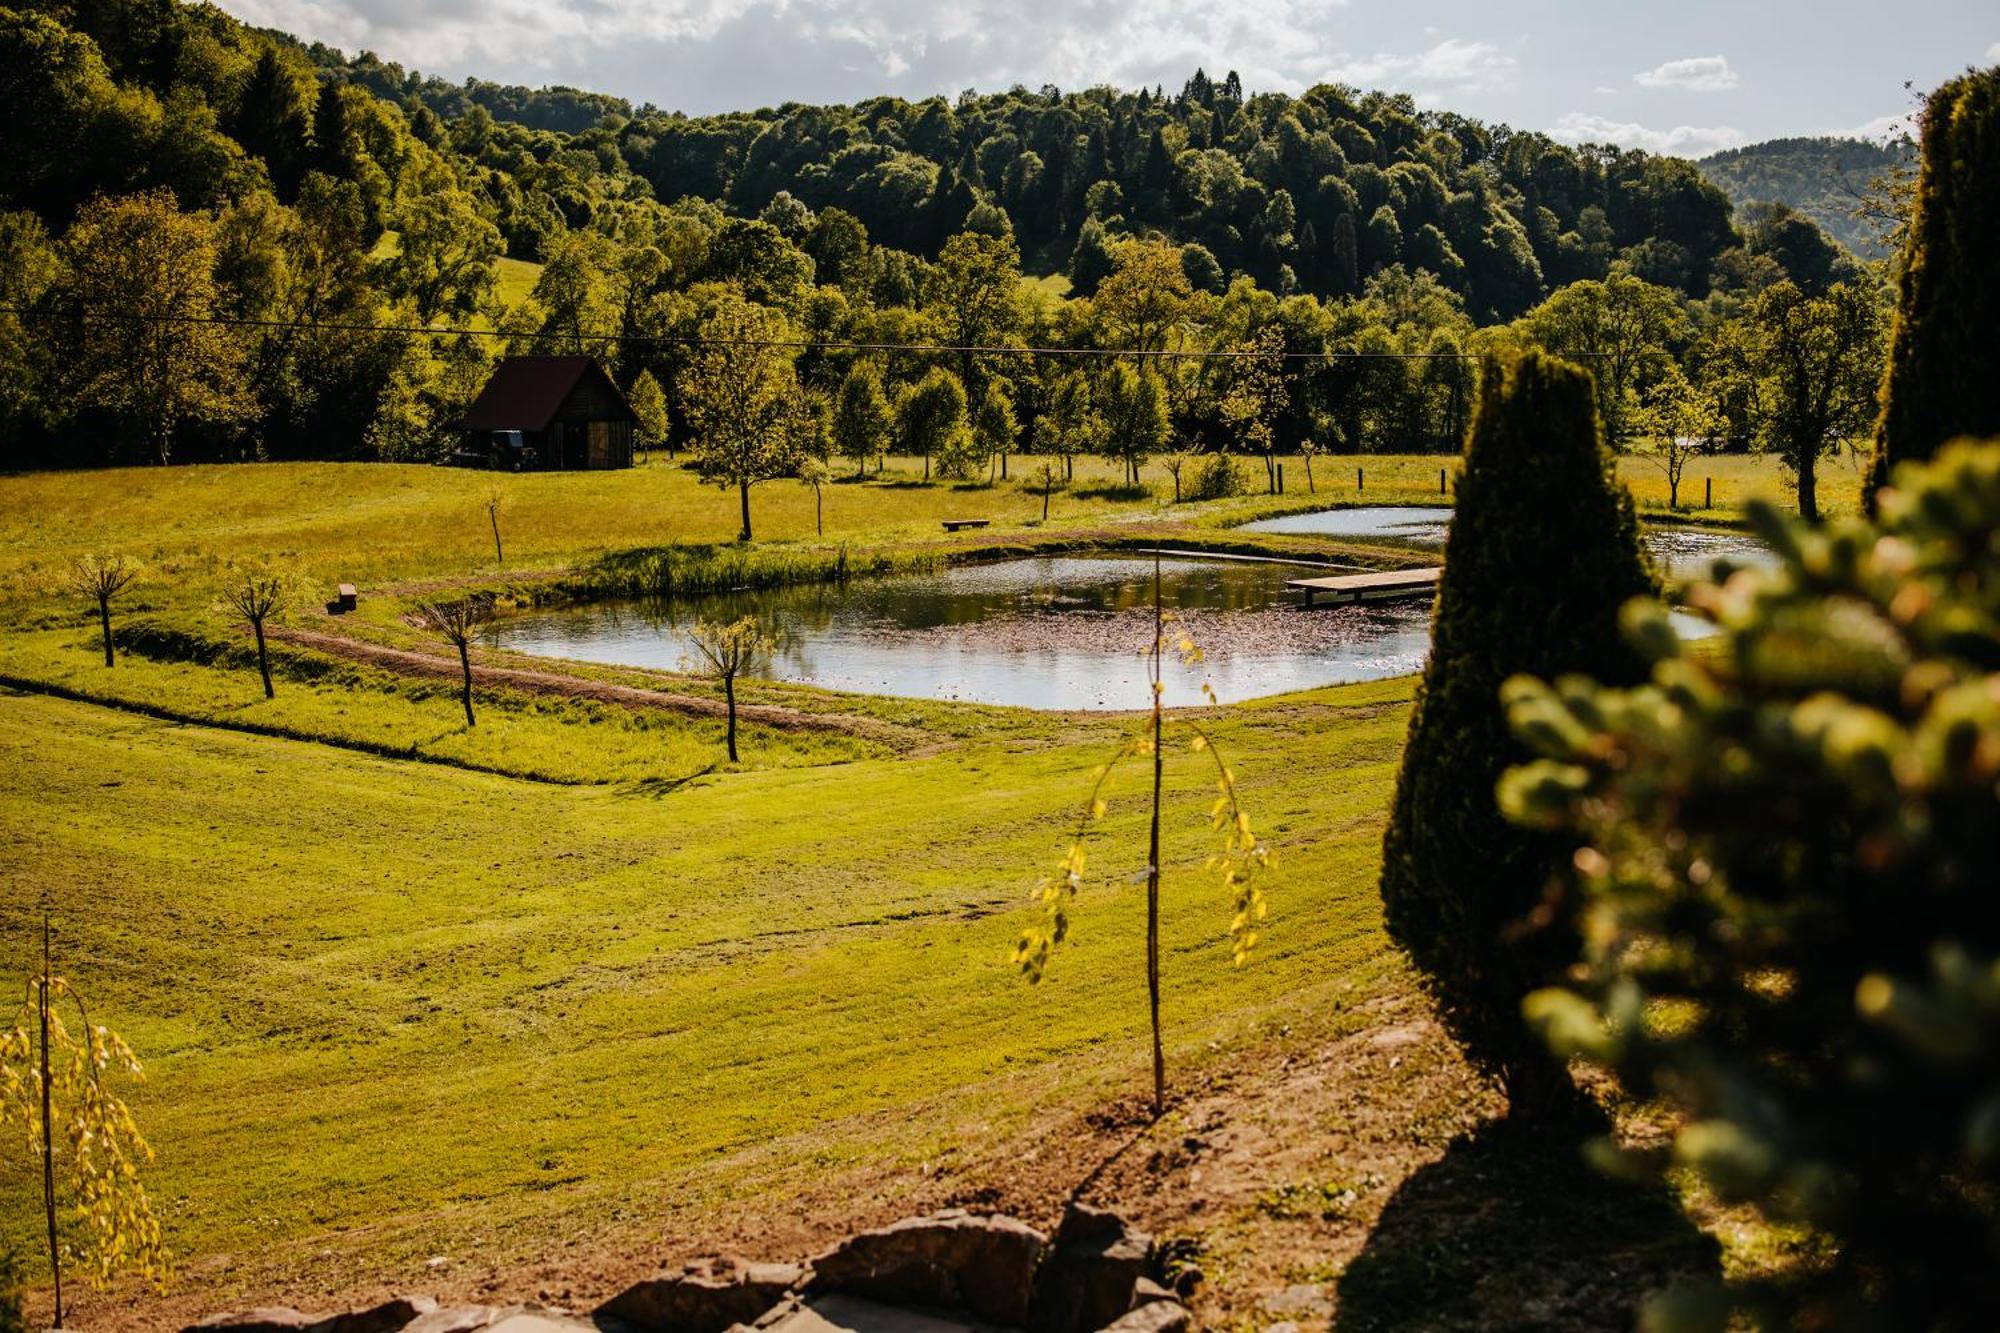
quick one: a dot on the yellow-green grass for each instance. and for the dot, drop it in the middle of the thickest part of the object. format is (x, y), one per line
(399, 1010)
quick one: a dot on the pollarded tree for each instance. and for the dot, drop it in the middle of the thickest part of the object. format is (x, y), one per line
(746, 419)
(1941, 382)
(257, 595)
(861, 418)
(101, 578)
(1786, 842)
(458, 623)
(726, 651)
(1543, 551)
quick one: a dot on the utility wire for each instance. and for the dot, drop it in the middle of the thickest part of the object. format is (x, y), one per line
(799, 344)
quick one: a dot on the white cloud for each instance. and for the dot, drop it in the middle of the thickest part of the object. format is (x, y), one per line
(1681, 141)
(1883, 127)
(1454, 62)
(1697, 74)
(1993, 52)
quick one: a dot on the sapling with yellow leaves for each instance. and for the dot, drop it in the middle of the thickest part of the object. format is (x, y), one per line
(56, 1101)
(1238, 860)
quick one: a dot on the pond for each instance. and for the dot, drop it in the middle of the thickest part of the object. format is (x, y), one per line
(1058, 632)
(1678, 552)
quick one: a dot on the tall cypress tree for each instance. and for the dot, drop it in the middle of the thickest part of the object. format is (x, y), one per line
(1940, 383)
(1544, 550)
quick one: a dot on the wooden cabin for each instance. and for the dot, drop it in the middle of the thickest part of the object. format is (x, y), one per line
(548, 413)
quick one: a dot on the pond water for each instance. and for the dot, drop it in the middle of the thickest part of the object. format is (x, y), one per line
(1061, 632)
(1678, 553)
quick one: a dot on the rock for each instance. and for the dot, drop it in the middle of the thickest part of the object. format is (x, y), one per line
(952, 1260)
(1091, 1274)
(538, 1323)
(837, 1312)
(1307, 1299)
(391, 1316)
(455, 1319)
(705, 1298)
(1153, 1317)
(265, 1319)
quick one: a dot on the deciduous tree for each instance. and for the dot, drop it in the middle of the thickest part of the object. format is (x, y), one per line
(458, 623)
(101, 578)
(1820, 360)
(726, 652)
(746, 419)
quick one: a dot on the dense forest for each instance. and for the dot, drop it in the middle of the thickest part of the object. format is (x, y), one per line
(217, 243)
(1835, 182)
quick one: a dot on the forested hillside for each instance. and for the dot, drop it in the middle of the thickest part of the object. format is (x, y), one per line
(219, 241)
(1831, 181)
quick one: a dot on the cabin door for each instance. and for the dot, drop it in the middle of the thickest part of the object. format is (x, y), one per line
(600, 444)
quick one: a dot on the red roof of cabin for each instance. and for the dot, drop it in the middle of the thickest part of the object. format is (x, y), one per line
(526, 392)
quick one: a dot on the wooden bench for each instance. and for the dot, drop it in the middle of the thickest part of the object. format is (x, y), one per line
(954, 524)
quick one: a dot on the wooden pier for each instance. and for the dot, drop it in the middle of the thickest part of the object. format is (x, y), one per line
(1381, 586)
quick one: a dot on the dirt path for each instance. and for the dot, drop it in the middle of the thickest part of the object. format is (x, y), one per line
(551, 683)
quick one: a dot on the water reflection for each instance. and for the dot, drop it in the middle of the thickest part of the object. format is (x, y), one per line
(1047, 632)
(1678, 553)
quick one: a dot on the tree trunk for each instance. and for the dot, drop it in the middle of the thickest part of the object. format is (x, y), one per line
(499, 556)
(1153, 857)
(729, 693)
(1271, 472)
(1312, 487)
(1045, 503)
(48, 1134)
(104, 621)
(819, 512)
(465, 692)
(927, 465)
(1809, 484)
(263, 659)
(743, 496)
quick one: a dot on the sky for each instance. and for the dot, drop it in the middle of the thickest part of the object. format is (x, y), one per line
(1686, 77)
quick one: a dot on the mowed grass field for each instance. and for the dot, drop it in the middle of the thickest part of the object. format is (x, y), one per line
(572, 980)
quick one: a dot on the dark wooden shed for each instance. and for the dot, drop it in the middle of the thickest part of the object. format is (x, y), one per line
(555, 413)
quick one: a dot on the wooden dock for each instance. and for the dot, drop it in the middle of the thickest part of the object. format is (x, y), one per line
(1381, 586)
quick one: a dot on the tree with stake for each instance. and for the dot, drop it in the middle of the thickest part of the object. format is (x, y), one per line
(458, 623)
(1684, 422)
(1047, 477)
(726, 652)
(54, 1089)
(257, 595)
(1529, 585)
(101, 578)
(814, 472)
(1239, 859)
(1175, 464)
(742, 400)
(493, 502)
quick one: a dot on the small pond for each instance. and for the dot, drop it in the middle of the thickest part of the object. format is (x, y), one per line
(1678, 552)
(1056, 632)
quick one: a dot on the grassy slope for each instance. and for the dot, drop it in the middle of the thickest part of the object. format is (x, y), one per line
(439, 1003)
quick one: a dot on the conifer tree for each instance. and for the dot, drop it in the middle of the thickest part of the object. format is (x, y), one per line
(1542, 554)
(1940, 382)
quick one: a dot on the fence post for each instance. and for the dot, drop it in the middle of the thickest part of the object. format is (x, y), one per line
(1003, 465)
(1708, 492)
(1359, 480)
(1440, 481)
(1281, 478)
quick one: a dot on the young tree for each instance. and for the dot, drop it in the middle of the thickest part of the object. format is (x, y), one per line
(861, 419)
(1941, 383)
(101, 578)
(1786, 841)
(458, 623)
(649, 405)
(1047, 477)
(1820, 360)
(931, 415)
(746, 420)
(1684, 422)
(257, 595)
(726, 652)
(1240, 859)
(53, 1091)
(1135, 417)
(1258, 396)
(813, 472)
(1072, 424)
(994, 427)
(494, 500)
(1175, 464)
(1530, 584)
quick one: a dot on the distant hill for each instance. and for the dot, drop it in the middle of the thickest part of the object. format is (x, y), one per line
(1821, 178)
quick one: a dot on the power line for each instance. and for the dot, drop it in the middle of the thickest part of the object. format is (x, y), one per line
(682, 340)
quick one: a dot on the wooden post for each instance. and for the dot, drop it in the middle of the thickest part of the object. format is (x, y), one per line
(1358, 480)
(1281, 478)
(1440, 481)
(1003, 465)
(1708, 492)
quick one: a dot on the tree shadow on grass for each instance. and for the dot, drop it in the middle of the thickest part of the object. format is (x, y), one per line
(1513, 1229)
